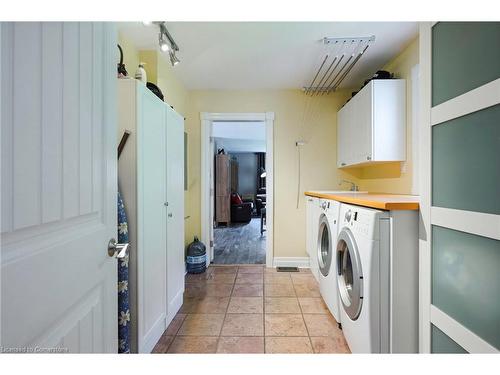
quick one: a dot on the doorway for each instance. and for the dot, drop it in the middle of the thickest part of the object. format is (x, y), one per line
(237, 187)
(239, 182)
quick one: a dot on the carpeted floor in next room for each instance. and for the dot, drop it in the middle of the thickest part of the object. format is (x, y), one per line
(252, 309)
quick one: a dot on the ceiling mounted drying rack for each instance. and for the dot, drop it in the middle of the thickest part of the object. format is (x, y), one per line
(340, 56)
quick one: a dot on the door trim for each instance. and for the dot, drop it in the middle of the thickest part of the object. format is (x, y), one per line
(460, 334)
(206, 119)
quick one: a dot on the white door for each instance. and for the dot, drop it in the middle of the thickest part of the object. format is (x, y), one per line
(151, 219)
(58, 188)
(175, 212)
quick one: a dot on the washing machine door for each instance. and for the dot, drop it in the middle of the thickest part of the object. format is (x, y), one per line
(349, 274)
(325, 246)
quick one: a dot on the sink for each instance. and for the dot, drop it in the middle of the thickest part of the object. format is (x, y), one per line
(339, 191)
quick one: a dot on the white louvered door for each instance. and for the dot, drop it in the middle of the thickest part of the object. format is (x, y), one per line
(58, 187)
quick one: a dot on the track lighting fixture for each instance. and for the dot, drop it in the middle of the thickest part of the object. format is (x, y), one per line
(167, 43)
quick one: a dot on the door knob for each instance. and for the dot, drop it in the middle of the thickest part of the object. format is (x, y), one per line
(170, 215)
(117, 250)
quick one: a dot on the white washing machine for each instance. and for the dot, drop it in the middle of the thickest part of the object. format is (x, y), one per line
(326, 247)
(362, 257)
(377, 279)
(312, 222)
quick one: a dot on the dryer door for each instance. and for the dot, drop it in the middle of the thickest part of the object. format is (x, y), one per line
(325, 246)
(349, 274)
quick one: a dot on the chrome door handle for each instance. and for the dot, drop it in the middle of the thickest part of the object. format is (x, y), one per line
(117, 250)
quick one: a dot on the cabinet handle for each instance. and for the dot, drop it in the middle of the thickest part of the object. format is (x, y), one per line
(170, 215)
(342, 164)
(368, 158)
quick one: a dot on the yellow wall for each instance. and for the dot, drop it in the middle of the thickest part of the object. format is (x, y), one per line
(387, 178)
(150, 60)
(318, 156)
(130, 54)
(161, 73)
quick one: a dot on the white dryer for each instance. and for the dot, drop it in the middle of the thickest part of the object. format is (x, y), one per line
(363, 278)
(326, 247)
(377, 278)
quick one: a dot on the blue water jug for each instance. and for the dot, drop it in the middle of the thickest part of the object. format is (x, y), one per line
(196, 259)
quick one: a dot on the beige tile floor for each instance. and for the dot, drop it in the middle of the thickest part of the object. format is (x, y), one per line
(252, 309)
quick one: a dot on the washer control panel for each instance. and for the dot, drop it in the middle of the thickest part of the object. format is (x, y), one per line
(359, 220)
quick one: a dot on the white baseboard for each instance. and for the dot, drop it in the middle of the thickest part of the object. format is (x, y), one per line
(151, 338)
(301, 262)
(175, 305)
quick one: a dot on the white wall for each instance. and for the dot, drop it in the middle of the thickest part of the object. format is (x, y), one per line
(255, 130)
(241, 145)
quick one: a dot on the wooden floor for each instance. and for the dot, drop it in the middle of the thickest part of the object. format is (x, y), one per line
(252, 309)
(240, 244)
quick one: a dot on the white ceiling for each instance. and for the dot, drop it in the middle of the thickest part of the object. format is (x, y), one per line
(268, 55)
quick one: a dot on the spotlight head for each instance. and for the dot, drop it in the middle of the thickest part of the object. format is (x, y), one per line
(163, 41)
(173, 59)
(164, 46)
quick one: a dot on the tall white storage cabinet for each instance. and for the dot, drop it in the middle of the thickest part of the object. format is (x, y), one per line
(371, 127)
(151, 181)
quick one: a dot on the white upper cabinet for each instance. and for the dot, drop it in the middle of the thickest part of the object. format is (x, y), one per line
(371, 128)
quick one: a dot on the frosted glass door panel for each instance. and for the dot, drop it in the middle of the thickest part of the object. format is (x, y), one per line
(442, 344)
(465, 55)
(465, 162)
(466, 280)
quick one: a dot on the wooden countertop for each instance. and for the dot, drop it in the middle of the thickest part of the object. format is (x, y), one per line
(374, 200)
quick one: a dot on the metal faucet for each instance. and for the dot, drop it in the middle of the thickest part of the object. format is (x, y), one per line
(354, 187)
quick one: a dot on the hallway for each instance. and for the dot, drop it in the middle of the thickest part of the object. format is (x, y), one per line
(240, 243)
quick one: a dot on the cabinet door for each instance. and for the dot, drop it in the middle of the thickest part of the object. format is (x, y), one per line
(361, 123)
(222, 187)
(342, 123)
(175, 211)
(151, 218)
(389, 120)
